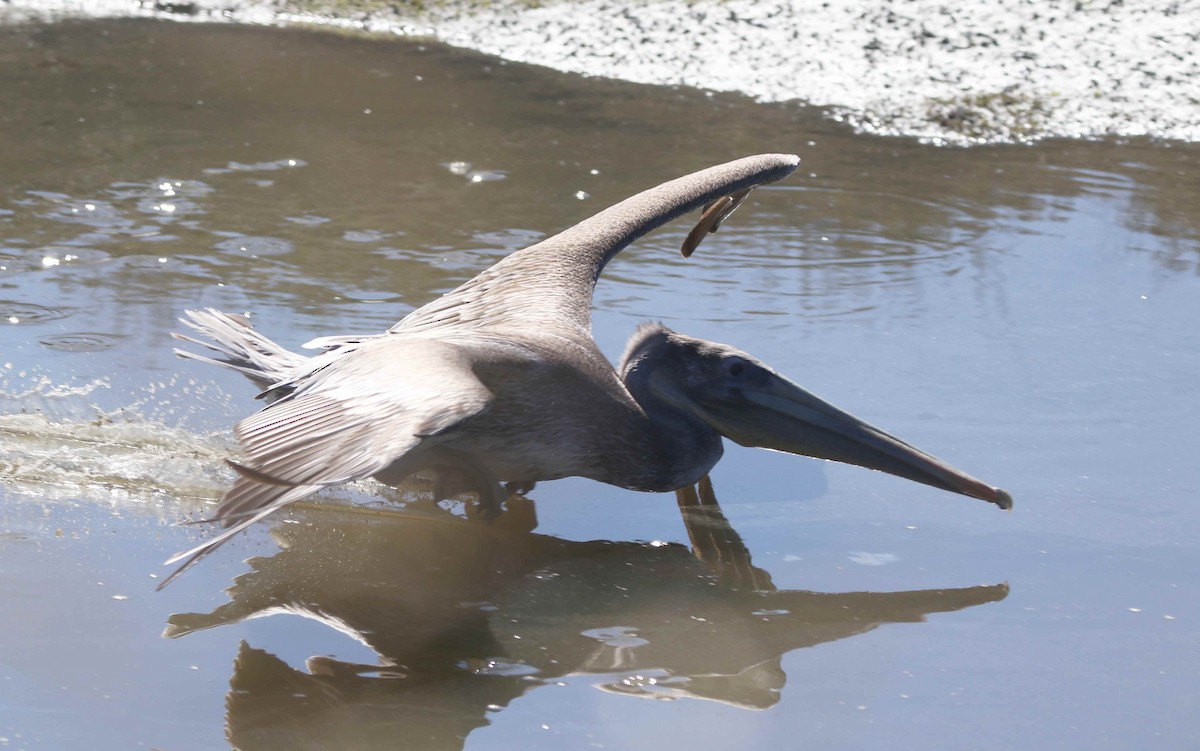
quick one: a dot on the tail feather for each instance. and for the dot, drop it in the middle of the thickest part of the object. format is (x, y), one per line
(240, 347)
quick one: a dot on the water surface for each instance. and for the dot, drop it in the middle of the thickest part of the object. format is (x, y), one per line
(1025, 312)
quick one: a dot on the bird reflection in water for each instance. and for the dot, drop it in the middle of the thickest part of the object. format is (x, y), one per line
(466, 617)
(500, 381)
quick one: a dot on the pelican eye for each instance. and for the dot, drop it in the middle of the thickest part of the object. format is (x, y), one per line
(736, 368)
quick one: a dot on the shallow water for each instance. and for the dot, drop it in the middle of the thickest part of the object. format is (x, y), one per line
(1025, 312)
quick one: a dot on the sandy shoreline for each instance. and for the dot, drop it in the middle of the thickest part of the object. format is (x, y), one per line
(1005, 70)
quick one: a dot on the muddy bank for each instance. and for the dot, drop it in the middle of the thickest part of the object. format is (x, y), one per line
(1015, 70)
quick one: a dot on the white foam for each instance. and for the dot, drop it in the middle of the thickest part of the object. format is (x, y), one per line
(1006, 70)
(57, 443)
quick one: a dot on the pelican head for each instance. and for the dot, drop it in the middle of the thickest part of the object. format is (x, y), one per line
(745, 400)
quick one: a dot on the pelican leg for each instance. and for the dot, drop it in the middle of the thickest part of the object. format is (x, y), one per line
(453, 473)
(460, 475)
(449, 481)
(491, 498)
(478, 479)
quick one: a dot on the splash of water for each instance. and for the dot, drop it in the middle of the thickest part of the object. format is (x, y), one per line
(57, 442)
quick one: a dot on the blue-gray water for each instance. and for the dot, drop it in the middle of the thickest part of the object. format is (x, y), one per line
(1025, 312)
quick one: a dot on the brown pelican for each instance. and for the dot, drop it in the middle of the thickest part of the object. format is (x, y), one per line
(500, 380)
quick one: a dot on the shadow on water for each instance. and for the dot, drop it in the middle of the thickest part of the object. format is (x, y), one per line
(466, 616)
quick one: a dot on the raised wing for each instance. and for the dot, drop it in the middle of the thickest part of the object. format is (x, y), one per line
(548, 287)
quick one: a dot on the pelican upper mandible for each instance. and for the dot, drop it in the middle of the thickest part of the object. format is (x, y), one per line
(500, 381)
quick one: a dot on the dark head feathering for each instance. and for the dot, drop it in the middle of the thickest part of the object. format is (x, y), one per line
(500, 380)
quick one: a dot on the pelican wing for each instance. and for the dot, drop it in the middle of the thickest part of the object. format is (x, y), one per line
(350, 417)
(357, 413)
(548, 287)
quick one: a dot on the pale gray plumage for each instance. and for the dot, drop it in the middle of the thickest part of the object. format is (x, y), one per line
(500, 380)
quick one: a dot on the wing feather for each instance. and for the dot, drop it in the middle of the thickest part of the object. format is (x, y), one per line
(548, 286)
(359, 410)
(281, 497)
(364, 410)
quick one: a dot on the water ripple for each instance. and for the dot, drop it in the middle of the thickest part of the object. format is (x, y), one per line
(48, 257)
(252, 246)
(12, 311)
(92, 213)
(80, 342)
